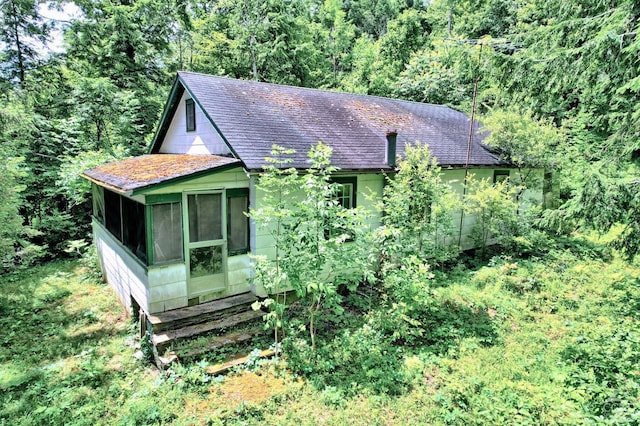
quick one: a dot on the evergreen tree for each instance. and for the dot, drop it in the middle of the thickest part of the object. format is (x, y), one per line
(21, 27)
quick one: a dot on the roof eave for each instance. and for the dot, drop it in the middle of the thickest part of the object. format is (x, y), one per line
(121, 191)
(169, 110)
(177, 179)
(144, 187)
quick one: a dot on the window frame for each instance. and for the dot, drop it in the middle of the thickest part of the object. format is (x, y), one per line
(134, 228)
(112, 221)
(97, 195)
(154, 200)
(343, 180)
(501, 175)
(353, 181)
(124, 230)
(237, 193)
(190, 115)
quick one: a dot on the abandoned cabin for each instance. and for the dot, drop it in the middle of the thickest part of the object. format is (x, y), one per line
(160, 219)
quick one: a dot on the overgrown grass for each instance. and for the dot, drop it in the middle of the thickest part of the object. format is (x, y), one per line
(553, 340)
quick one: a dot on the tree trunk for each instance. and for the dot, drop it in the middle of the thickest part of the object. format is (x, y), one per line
(16, 37)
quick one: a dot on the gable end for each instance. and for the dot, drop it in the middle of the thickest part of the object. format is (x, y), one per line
(175, 136)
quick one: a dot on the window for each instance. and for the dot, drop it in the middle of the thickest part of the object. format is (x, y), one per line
(500, 176)
(345, 195)
(237, 221)
(124, 218)
(167, 232)
(205, 220)
(548, 195)
(205, 243)
(98, 202)
(134, 236)
(547, 183)
(190, 108)
(113, 214)
(346, 192)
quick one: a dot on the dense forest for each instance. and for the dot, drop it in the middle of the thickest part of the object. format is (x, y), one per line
(558, 82)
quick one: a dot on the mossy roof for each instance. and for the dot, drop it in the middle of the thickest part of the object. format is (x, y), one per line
(253, 116)
(135, 173)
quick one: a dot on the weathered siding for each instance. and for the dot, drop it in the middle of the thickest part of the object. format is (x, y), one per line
(204, 140)
(121, 269)
(175, 294)
(167, 287)
(369, 192)
(367, 184)
(455, 178)
(233, 178)
(155, 289)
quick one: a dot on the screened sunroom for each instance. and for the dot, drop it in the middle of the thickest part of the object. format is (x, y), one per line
(171, 230)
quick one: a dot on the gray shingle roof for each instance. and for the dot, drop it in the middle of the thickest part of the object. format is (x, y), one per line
(252, 116)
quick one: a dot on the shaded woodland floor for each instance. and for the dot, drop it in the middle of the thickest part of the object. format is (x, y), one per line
(511, 341)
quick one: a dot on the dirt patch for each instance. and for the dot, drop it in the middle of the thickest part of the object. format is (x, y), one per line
(252, 387)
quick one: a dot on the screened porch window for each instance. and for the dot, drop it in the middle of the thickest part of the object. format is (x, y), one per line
(134, 236)
(98, 202)
(124, 218)
(167, 232)
(204, 225)
(113, 214)
(237, 221)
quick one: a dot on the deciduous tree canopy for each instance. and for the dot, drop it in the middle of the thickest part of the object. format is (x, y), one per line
(570, 66)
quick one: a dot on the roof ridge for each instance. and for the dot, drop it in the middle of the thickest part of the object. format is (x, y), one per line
(251, 116)
(315, 89)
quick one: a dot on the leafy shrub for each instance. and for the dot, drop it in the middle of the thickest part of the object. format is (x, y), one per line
(604, 370)
(495, 209)
(409, 299)
(416, 314)
(416, 207)
(353, 361)
(311, 232)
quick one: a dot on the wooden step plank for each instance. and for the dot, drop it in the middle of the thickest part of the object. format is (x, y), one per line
(219, 342)
(192, 314)
(223, 368)
(161, 340)
(195, 310)
(212, 344)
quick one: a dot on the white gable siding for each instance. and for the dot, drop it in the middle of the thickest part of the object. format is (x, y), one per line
(204, 140)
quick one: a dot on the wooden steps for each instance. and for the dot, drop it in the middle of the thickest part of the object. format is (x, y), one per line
(178, 334)
(200, 313)
(162, 340)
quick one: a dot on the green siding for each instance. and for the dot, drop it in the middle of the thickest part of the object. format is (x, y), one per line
(233, 178)
(164, 287)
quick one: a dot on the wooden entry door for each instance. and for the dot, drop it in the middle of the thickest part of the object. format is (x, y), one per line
(206, 251)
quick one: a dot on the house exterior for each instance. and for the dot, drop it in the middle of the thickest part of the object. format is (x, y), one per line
(170, 226)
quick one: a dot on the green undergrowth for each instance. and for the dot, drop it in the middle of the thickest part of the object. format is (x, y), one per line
(552, 339)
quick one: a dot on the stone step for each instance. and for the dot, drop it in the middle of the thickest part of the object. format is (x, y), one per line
(166, 337)
(204, 312)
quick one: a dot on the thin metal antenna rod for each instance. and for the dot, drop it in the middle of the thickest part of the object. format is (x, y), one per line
(469, 142)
